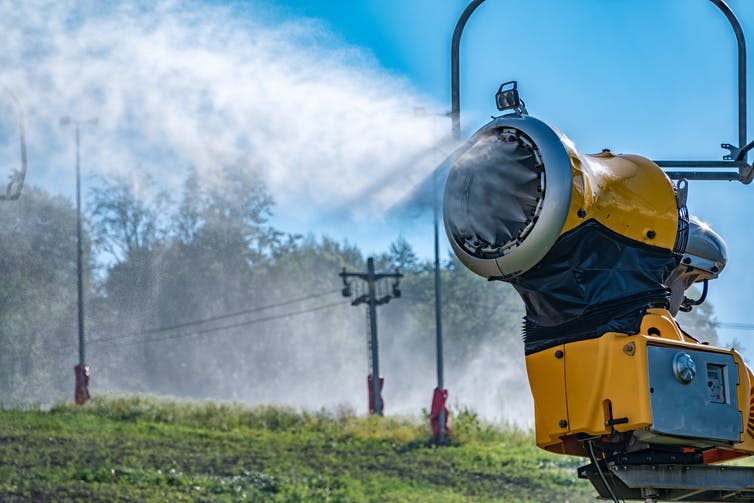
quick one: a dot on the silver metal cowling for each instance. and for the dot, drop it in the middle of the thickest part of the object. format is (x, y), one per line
(491, 184)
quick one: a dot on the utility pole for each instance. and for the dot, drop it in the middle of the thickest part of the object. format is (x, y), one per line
(81, 370)
(373, 379)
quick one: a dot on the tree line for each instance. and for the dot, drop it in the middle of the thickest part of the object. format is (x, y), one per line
(196, 295)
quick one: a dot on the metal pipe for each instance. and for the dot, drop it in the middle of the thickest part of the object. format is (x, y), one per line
(741, 41)
(744, 150)
(701, 164)
(455, 113)
(438, 301)
(438, 304)
(81, 371)
(730, 176)
(79, 254)
(455, 91)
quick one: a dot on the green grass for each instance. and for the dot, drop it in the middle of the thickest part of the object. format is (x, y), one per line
(144, 449)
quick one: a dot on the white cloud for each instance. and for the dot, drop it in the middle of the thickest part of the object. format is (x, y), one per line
(176, 84)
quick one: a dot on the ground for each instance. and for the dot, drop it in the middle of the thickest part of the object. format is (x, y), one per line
(144, 449)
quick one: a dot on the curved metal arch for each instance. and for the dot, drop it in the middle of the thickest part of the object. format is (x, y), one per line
(17, 177)
(455, 85)
(737, 157)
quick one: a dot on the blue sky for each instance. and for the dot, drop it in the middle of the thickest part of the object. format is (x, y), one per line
(655, 78)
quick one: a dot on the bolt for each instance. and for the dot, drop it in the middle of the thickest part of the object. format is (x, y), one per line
(651, 234)
(563, 423)
(559, 354)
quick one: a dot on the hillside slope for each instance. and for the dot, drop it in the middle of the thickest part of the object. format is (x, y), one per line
(142, 449)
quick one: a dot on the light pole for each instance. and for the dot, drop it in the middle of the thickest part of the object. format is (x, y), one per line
(438, 412)
(440, 394)
(81, 370)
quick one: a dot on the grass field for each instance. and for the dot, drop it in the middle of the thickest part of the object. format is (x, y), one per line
(144, 449)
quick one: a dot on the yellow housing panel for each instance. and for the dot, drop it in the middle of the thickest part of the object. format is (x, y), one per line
(547, 380)
(595, 380)
(607, 378)
(629, 194)
(588, 382)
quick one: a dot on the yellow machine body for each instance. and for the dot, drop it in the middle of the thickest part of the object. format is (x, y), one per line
(595, 246)
(581, 388)
(629, 194)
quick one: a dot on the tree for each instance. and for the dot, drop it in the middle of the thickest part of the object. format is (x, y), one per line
(125, 221)
(402, 256)
(38, 297)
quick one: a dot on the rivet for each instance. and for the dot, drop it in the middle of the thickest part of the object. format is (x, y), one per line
(651, 234)
(581, 213)
(563, 423)
(559, 354)
(630, 349)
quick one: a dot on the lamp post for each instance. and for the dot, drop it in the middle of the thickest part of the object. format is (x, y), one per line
(438, 412)
(81, 370)
(440, 394)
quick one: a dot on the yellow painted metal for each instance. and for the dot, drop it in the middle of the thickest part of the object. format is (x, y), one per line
(547, 380)
(600, 379)
(629, 194)
(607, 378)
(745, 400)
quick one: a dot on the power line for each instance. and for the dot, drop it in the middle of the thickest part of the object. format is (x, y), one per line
(226, 327)
(735, 326)
(62, 349)
(202, 321)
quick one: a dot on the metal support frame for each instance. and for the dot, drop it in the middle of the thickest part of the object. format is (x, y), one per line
(667, 482)
(455, 60)
(737, 159)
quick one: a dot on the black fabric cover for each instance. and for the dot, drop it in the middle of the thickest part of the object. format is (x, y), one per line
(492, 193)
(592, 281)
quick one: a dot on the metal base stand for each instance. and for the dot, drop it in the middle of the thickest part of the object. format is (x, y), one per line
(651, 483)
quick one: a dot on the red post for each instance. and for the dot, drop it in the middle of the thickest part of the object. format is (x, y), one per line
(371, 393)
(82, 384)
(440, 433)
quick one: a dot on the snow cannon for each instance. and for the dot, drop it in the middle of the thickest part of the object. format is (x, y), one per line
(602, 251)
